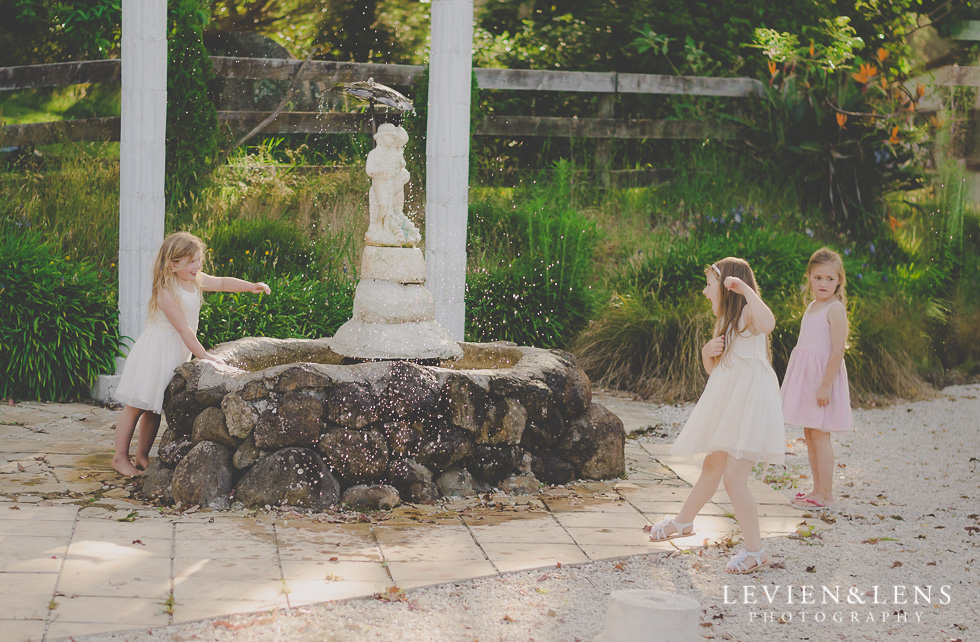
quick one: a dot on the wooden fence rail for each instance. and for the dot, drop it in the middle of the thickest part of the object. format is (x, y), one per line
(332, 73)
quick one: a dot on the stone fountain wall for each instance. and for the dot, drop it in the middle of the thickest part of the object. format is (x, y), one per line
(294, 426)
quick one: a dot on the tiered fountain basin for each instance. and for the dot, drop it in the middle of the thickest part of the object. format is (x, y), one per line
(288, 422)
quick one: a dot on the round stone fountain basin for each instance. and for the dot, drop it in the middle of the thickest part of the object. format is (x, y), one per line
(287, 422)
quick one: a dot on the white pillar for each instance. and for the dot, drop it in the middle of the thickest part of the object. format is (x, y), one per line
(447, 159)
(142, 139)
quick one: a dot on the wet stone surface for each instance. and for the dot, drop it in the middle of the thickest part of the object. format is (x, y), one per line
(414, 430)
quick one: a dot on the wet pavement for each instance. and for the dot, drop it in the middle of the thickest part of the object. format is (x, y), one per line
(79, 555)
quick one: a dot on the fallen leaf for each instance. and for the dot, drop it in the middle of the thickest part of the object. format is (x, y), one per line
(930, 563)
(551, 613)
(781, 565)
(508, 618)
(138, 541)
(15, 508)
(558, 565)
(811, 569)
(896, 564)
(21, 468)
(618, 567)
(333, 559)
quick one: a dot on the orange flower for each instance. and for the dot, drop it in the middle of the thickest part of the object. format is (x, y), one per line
(866, 73)
(894, 139)
(884, 83)
(894, 223)
(882, 54)
(772, 68)
(920, 91)
(812, 50)
(841, 119)
(935, 122)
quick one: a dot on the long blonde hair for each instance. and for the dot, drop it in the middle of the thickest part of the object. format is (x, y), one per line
(175, 248)
(731, 305)
(826, 256)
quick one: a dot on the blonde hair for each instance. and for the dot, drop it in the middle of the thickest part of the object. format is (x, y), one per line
(175, 248)
(826, 256)
(731, 305)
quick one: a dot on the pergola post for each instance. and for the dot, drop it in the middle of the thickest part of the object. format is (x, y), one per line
(447, 160)
(142, 139)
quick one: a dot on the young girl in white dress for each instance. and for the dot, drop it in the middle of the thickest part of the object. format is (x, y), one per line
(169, 338)
(738, 421)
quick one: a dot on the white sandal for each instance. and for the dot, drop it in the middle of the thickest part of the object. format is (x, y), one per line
(737, 565)
(658, 532)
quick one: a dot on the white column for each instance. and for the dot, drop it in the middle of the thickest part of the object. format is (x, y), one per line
(447, 159)
(142, 139)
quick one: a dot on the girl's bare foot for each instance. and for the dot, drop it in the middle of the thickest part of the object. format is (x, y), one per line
(125, 467)
(142, 462)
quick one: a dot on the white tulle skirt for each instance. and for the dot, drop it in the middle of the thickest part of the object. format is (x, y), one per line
(150, 366)
(739, 412)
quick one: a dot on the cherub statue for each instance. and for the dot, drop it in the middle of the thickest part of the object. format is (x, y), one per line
(386, 200)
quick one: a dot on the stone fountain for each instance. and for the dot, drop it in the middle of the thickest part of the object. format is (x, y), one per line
(390, 409)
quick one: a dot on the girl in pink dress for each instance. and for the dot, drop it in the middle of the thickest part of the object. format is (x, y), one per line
(815, 392)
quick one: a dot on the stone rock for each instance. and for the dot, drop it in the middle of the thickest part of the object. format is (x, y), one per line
(203, 476)
(521, 485)
(157, 479)
(352, 404)
(254, 390)
(177, 385)
(354, 455)
(572, 390)
(296, 423)
(210, 426)
(468, 402)
(493, 463)
(402, 473)
(412, 392)
(174, 450)
(404, 438)
(505, 423)
(552, 470)
(371, 497)
(444, 449)
(246, 454)
(594, 444)
(302, 376)
(288, 477)
(425, 492)
(240, 416)
(210, 397)
(181, 411)
(544, 421)
(458, 482)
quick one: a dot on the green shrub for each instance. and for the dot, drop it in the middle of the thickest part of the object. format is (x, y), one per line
(778, 259)
(297, 308)
(532, 268)
(58, 321)
(192, 119)
(259, 250)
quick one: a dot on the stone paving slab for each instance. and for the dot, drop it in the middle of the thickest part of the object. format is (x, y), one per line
(78, 556)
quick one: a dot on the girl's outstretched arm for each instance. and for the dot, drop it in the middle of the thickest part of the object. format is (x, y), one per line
(165, 301)
(231, 284)
(762, 317)
(837, 318)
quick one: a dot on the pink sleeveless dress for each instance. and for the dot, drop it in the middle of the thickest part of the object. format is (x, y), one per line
(807, 365)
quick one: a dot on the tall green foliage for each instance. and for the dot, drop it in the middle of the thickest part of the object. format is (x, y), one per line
(58, 325)
(192, 120)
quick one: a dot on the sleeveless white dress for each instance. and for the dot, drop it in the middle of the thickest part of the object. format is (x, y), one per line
(740, 411)
(158, 351)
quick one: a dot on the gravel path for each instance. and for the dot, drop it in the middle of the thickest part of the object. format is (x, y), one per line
(905, 524)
